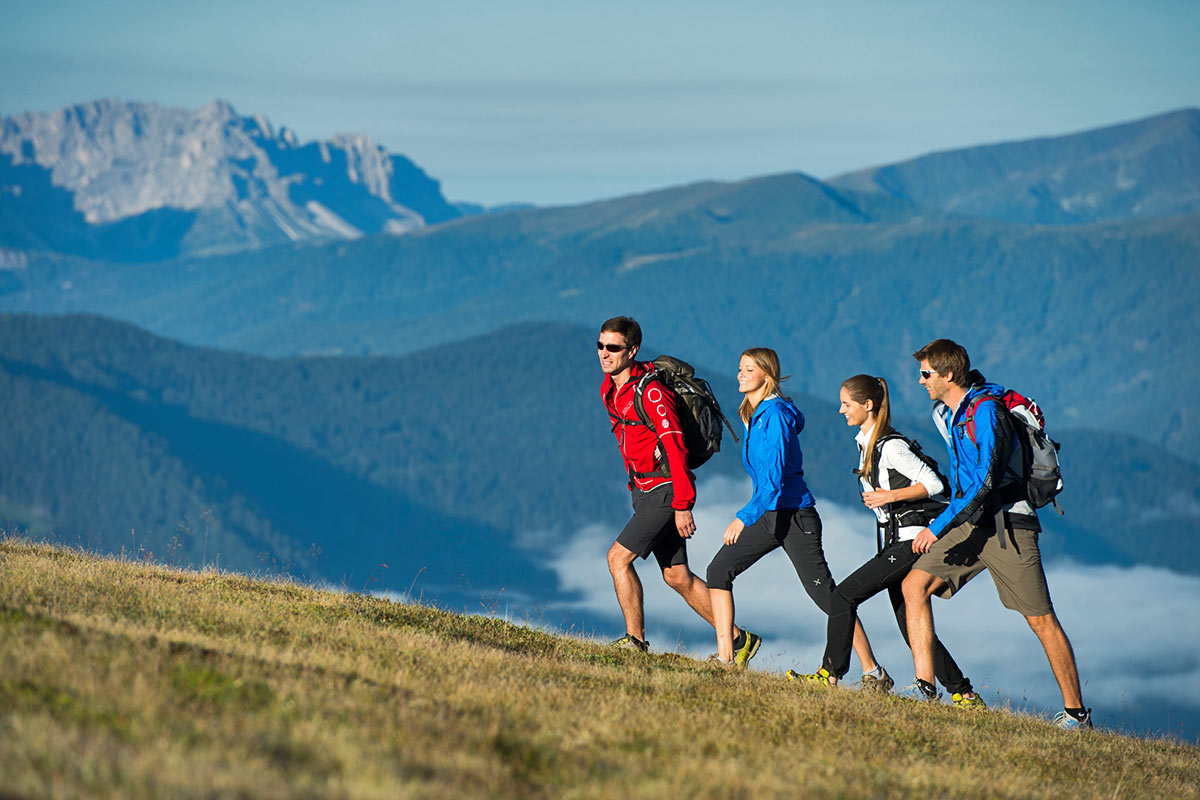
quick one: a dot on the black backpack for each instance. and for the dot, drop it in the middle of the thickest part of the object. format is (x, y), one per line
(698, 410)
(910, 512)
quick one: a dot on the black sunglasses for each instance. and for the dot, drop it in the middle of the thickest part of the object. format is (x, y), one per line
(927, 374)
(612, 348)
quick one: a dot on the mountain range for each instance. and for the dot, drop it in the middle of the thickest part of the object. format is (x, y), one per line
(1092, 320)
(467, 469)
(1138, 170)
(136, 181)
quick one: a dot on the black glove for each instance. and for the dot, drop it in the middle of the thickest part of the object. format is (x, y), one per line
(963, 554)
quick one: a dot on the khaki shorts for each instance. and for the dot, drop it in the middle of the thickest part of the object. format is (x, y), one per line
(962, 553)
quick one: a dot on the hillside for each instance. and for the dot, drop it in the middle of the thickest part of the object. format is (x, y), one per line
(119, 679)
(465, 468)
(123, 442)
(1137, 170)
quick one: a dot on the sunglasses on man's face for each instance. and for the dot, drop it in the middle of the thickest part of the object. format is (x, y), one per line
(927, 373)
(612, 348)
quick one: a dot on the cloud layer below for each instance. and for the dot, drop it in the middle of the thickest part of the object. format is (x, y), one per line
(1133, 629)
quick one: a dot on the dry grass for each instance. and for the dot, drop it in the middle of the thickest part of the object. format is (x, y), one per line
(121, 679)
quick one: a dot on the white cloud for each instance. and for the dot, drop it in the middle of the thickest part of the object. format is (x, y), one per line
(1134, 629)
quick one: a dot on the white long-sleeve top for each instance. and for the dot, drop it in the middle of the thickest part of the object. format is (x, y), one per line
(896, 455)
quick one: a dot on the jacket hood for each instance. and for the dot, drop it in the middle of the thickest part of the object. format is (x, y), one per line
(980, 385)
(777, 404)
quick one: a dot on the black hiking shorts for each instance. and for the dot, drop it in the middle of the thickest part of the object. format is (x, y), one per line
(652, 529)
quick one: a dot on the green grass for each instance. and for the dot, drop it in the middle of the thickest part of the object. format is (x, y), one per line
(122, 679)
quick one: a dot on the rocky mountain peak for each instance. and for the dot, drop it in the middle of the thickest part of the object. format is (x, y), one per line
(243, 182)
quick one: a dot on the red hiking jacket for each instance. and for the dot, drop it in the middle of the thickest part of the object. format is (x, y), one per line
(638, 443)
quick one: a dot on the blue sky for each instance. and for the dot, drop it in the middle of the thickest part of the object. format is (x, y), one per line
(556, 102)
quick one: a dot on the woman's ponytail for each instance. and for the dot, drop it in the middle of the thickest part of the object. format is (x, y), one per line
(862, 388)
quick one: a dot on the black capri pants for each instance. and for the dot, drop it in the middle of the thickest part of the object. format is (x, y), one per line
(886, 570)
(798, 532)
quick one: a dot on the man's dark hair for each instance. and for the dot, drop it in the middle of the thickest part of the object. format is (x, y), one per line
(626, 327)
(946, 356)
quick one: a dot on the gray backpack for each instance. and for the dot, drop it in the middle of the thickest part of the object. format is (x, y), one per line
(1041, 474)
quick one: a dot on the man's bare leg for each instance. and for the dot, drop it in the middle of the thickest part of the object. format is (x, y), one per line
(631, 596)
(696, 594)
(919, 587)
(693, 590)
(629, 589)
(1062, 657)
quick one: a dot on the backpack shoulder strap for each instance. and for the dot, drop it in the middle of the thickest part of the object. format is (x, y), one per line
(1005, 421)
(877, 455)
(969, 417)
(913, 446)
(639, 390)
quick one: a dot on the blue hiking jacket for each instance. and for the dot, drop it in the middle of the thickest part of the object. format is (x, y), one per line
(772, 457)
(982, 472)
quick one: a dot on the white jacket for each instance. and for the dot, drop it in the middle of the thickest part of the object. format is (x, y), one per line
(896, 456)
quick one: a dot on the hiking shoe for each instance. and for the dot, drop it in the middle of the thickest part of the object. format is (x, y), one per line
(628, 642)
(819, 678)
(1068, 722)
(962, 701)
(748, 650)
(915, 691)
(872, 684)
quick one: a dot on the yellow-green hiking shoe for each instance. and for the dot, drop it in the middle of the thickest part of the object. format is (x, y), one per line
(749, 648)
(628, 642)
(819, 678)
(963, 701)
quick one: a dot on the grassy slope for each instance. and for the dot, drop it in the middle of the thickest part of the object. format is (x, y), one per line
(121, 679)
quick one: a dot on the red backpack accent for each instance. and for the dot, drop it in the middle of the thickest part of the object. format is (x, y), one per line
(1012, 400)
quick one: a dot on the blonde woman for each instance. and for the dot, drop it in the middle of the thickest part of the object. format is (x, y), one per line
(780, 513)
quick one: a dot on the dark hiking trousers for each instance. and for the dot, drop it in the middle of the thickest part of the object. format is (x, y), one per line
(798, 532)
(884, 571)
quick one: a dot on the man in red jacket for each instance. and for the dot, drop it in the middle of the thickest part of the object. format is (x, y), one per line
(663, 488)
